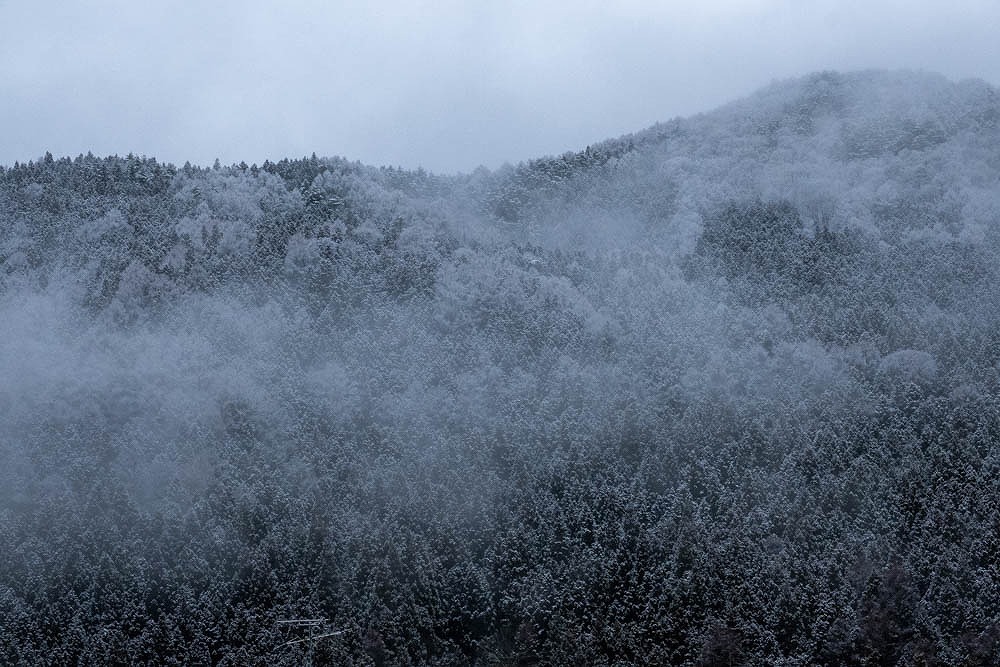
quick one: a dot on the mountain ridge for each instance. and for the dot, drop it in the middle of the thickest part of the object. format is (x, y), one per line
(783, 93)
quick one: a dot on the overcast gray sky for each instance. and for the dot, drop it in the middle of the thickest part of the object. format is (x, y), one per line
(446, 85)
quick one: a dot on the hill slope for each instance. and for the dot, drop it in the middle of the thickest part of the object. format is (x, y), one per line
(721, 391)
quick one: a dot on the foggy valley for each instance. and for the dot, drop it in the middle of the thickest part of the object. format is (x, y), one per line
(722, 391)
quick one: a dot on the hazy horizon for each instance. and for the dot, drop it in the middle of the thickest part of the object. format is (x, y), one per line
(440, 86)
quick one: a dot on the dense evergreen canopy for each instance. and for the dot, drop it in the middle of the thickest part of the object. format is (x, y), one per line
(725, 391)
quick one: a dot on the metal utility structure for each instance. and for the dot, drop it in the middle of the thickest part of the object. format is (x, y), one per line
(312, 624)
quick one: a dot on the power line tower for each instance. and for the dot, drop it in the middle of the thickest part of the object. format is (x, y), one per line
(312, 625)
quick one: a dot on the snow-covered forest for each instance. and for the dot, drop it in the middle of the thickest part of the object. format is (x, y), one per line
(723, 391)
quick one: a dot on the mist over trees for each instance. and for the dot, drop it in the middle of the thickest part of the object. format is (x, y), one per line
(724, 391)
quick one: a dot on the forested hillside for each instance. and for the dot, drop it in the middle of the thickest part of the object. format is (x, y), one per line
(725, 391)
